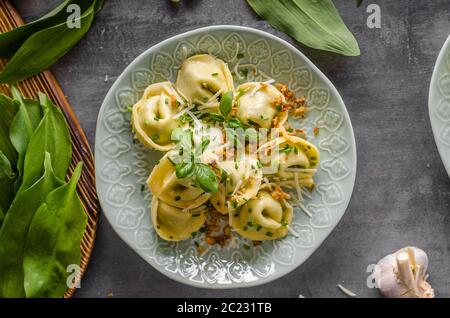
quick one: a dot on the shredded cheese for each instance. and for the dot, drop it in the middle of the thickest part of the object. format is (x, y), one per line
(346, 291)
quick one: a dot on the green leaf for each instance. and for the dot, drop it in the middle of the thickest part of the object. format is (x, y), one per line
(184, 169)
(183, 138)
(215, 117)
(226, 102)
(45, 47)
(7, 177)
(206, 178)
(235, 123)
(54, 240)
(316, 24)
(8, 109)
(52, 136)
(15, 228)
(22, 128)
(11, 41)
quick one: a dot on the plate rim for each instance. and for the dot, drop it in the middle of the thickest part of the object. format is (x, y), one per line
(432, 106)
(308, 63)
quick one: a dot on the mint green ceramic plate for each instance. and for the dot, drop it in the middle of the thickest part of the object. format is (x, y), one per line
(123, 166)
(439, 104)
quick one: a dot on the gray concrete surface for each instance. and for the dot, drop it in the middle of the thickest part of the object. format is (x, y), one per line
(402, 193)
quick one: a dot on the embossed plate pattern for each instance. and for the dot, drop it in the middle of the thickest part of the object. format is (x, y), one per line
(122, 166)
(439, 104)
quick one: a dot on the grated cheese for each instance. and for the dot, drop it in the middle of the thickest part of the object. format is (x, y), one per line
(346, 291)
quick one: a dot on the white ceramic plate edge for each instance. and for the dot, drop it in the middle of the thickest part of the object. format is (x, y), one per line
(431, 105)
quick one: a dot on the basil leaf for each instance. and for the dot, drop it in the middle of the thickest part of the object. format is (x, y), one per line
(316, 24)
(226, 103)
(22, 127)
(8, 109)
(183, 138)
(205, 143)
(206, 178)
(15, 228)
(184, 169)
(11, 41)
(235, 123)
(54, 240)
(7, 177)
(52, 136)
(45, 47)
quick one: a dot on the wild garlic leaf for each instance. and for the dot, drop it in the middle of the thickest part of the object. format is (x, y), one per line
(54, 240)
(22, 127)
(52, 136)
(206, 178)
(316, 24)
(8, 109)
(11, 41)
(45, 47)
(14, 230)
(7, 177)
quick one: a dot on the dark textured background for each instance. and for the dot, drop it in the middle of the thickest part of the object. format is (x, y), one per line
(402, 193)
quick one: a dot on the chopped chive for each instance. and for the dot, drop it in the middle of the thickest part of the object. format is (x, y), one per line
(215, 74)
(177, 198)
(246, 247)
(258, 228)
(142, 188)
(240, 55)
(251, 122)
(269, 234)
(193, 234)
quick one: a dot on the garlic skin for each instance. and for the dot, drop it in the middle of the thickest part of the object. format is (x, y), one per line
(403, 274)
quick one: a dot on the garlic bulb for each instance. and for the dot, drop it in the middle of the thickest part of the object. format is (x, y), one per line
(403, 274)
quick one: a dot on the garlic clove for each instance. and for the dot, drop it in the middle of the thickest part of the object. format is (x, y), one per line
(403, 274)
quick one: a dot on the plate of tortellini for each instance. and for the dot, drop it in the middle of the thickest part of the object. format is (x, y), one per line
(224, 157)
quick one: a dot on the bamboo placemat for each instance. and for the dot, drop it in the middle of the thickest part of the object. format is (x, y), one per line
(45, 82)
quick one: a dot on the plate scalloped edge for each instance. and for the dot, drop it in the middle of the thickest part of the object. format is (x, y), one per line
(122, 165)
(439, 104)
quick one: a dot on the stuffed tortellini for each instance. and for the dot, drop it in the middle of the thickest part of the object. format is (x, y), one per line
(202, 77)
(154, 116)
(174, 224)
(181, 193)
(241, 183)
(260, 105)
(296, 159)
(262, 218)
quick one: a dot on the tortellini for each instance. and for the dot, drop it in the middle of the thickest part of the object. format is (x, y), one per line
(180, 193)
(296, 159)
(175, 224)
(193, 119)
(202, 77)
(260, 105)
(153, 116)
(241, 183)
(262, 218)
